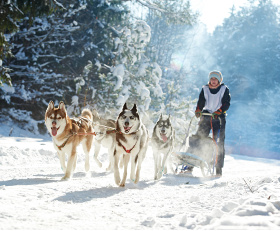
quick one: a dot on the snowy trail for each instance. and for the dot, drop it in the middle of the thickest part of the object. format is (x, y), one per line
(33, 197)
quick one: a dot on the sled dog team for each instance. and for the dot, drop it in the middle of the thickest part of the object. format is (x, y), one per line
(126, 139)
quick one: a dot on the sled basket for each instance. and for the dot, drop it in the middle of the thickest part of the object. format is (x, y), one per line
(201, 153)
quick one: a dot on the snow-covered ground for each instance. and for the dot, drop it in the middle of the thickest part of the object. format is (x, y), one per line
(33, 197)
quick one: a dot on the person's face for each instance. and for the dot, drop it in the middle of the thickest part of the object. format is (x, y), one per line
(214, 82)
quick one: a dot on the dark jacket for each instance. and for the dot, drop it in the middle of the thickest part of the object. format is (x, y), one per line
(225, 100)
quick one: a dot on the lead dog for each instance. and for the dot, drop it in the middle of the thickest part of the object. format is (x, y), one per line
(104, 136)
(131, 143)
(162, 143)
(64, 135)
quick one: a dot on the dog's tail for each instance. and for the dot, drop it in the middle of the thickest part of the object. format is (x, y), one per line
(87, 114)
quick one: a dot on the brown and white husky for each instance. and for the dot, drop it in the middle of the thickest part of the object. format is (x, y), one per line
(64, 132)
(131, 144)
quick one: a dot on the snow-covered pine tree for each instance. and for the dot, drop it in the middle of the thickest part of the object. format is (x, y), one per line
(247, 47)
(170, 27)
(136, 76)
(51, 53)
(132, 77)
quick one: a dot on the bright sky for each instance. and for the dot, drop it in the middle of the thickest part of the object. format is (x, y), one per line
(213, 12)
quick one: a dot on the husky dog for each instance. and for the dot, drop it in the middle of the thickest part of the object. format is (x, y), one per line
(131, 143)
(65, 138)
(162, 143)
(103, 137)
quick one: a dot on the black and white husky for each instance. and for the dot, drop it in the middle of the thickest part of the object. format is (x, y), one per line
(131, 144)
(163, 144)
(104, 136)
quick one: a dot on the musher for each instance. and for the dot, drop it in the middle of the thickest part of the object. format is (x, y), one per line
(214, 98)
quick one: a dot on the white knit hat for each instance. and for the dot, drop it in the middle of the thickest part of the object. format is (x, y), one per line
(217, 75)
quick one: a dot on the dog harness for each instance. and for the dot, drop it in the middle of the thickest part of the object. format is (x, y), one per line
(128, 151)
(79, 122)
(65, 142)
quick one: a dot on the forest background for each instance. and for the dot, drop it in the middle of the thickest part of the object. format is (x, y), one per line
(100, 54)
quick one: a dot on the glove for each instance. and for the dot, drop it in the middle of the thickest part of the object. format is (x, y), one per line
(217, 113)
(198, 113)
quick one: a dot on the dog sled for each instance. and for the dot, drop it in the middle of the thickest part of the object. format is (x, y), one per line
(197, 152)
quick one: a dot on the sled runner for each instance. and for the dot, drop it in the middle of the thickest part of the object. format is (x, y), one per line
(197, 152)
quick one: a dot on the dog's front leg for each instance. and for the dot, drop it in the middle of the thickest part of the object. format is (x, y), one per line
(163, 166)
(61, 156)
(156, 162)
(87, 143)
(74, 163)
(111, 158)
(133, 167)
(141, 156)
(116, 168)
(125, 163)
(97, 147)
(169, 162)
(70, 164)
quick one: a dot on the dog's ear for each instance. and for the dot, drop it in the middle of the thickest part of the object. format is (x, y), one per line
(95, 115)
(160, 118)
(169, 119)
(124, 107)
(61, 106)
(134, 109)
(50, 106)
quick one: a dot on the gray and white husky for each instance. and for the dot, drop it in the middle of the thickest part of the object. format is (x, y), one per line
(104, 136)
(162, 144)
(131, 144)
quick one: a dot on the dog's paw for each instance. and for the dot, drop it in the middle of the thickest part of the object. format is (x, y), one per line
(65, 178)
(109, 168)
(99, 164)
(159, 175)
(132, 177)
(117, 181)
(136, 180)
(86, 167)
(122, 184)
(63, 169)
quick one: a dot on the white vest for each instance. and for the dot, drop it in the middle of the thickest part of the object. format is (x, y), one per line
(213, 101)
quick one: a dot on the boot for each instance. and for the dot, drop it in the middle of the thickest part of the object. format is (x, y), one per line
(218, 171)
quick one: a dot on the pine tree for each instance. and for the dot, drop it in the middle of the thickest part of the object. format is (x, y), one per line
(50, 56)
(10, 14)
(247, 49)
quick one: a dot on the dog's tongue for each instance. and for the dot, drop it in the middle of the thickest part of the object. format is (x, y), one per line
(164, 137)
(54, 131)
(127, 129)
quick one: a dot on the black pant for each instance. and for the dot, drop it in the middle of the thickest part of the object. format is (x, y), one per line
(219, 127)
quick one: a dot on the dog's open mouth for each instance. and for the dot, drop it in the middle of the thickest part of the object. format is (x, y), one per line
(127, 129)
(54, 131)
(163, 137)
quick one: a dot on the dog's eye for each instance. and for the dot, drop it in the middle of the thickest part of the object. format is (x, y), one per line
(51, 117)
(124, 117)
(131, 117)
(58, 118)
